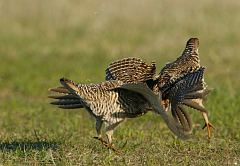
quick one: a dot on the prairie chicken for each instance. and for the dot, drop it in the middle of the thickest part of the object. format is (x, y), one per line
(111, 102)
(167, 81)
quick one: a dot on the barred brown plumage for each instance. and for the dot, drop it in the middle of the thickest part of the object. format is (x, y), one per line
(130, 70)
(188, 62)
(113, 101)
(127, 70)
(174, 72)
(177, 95)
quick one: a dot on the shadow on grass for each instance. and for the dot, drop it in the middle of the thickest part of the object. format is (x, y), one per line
(28, 145)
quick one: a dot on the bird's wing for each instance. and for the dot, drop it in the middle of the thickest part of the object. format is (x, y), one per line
(188, 62)
(130, 70)
(184, 85)
(153, 100)
(185, 88)
(182, 117)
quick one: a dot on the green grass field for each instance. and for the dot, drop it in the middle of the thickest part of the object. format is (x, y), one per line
(42, 41)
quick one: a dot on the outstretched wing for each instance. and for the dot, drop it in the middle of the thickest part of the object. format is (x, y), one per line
(153, 100)
(130, 70)
(188, 87)
(186, 84)
(188, 62)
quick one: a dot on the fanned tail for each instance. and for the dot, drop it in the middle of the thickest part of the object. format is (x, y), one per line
(65, 99)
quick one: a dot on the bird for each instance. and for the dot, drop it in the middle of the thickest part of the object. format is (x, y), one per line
(111, 102)
(187, 62)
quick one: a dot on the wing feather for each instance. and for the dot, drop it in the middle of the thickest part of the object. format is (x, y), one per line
(153, 100)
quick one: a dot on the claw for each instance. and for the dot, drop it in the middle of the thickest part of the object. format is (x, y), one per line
(209, 127)
(109, 146)
(117, 151)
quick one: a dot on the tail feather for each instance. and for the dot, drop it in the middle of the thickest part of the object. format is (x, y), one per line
(75, 106)
(66, 102)
(69, 99)
(59, 90)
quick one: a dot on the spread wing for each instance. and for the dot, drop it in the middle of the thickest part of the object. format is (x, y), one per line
(187, 84)
(130, 70)
(153, 100)
(188, 87)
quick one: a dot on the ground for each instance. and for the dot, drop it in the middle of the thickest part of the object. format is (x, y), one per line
(42, 41)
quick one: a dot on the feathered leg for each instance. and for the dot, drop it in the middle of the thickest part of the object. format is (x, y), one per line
(109, 133)
(99, 123)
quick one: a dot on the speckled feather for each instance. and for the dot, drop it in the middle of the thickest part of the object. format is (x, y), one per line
(188, 62)
(104, 100)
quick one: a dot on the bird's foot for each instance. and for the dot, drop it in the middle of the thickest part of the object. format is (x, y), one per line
(209, 126)
(108, 145)
(113, 148)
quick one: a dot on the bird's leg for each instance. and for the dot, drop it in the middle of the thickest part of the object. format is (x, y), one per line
(109, 133)
(207, 124)
(197, 104)
(98, 129)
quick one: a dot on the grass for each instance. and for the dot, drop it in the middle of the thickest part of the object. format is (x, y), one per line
(42, 41)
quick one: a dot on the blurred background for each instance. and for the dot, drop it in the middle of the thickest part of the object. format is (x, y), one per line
(42, 41)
